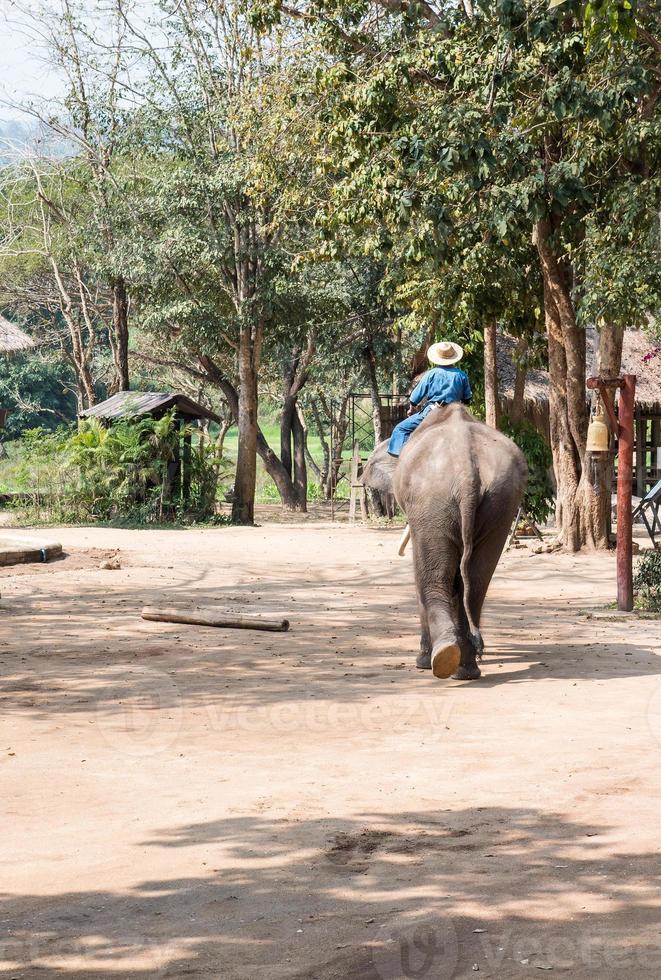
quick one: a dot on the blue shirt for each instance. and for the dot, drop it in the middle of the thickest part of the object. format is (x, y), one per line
(442, 384)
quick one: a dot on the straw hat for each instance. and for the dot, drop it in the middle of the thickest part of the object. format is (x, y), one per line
(445, 353)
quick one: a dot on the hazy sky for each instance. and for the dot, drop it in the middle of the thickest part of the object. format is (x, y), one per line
(22, 71)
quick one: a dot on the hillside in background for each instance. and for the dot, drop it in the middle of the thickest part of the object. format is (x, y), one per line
(16, 135)
(13, 135)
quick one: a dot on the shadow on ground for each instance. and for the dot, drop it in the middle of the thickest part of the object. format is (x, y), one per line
(314, 899)
(88, 651)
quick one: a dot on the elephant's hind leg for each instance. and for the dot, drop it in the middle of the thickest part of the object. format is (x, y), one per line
(468, 669)
(486, 553)
(435, 570)
(446, 660)
(444, 642)
(423, 660)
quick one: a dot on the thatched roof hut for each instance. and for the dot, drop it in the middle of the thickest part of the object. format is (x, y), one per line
(536, 397)
(648, 375)
(648, 395)
(13, 340)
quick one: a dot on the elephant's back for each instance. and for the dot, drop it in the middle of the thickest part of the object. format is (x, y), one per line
(453, 454)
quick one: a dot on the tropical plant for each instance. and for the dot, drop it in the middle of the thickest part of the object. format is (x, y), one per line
(125, 472)
(647, 581)
(538, 499)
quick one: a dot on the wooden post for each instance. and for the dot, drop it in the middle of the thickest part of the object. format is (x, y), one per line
(364, 512)
(186, 465)
(355, 486)
(656, 447)
(624, 426)
(176, 482)
(641, 432)
(624, 486)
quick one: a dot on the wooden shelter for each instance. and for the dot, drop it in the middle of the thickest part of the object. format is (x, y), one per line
(647, 466)
(155, 404)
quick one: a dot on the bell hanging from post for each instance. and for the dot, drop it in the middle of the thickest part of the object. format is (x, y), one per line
(598, 440)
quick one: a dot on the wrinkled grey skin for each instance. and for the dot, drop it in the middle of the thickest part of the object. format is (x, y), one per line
(460, 483)
(378, 479)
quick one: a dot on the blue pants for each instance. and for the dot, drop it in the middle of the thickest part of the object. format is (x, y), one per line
(405, 429)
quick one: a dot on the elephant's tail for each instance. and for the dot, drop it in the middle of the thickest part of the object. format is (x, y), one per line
(467, 507)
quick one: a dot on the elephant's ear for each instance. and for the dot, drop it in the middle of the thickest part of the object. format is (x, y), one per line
(379, 469)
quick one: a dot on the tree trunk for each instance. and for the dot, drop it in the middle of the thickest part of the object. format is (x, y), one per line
(291, 499)
(311, 461)
(492, 408)
(78, 358)
(566, 465)
(275, 469)
(518, 402)
(292, 481)
(286, 425)
(300, 467)
(220, 438)
(243, 507)
(340, 425)
(120, 327)
(325, 446)
(288, 407)
(607, 364)
(370, 362)
(581, 514)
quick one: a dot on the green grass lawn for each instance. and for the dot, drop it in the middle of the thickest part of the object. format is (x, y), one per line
(266, 489)
(271, 432)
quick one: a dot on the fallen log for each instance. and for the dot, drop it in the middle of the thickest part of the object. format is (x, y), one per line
(203, 617)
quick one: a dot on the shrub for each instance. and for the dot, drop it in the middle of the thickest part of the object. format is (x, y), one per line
(123, 472)
(538, 500)
(647, 581)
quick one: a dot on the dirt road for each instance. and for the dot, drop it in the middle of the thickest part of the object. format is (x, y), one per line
(180, 802)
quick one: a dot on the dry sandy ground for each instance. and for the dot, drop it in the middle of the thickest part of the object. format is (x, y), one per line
(184, 802)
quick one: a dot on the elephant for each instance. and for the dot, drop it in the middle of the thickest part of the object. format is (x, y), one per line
(377, 479)
(460, 484)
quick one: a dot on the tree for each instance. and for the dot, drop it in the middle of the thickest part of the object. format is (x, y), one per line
(45, 275)
(89, 124)
(38, 391)
(215, 248)
(506, 116)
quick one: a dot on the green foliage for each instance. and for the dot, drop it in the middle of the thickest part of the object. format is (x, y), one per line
(647, 581)
(614, 17)
(366, 180)
(33, 461)
(37, 392)
(121, 473)
(123, 470)
(446, 147)
(538, 499)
